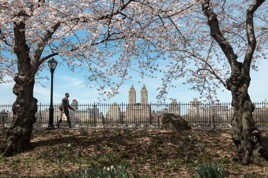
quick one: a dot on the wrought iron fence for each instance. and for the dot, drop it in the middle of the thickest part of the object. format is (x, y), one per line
(203, 116)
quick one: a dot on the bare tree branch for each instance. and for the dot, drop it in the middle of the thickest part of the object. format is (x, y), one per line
(169, 17)
(176, 13)
(47, 57)
(107, 16)
(130, 18)
(122, 7)
(211, 71)
(110, 20)
(217, 34)
(43, 44)
(108, 38)
(36, 61)
(184, 41)
(210, 68)
(250, 33)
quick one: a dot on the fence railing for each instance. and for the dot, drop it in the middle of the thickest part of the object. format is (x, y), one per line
(201, 116)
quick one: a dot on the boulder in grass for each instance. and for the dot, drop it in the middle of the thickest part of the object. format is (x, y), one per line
(83, 131)
(173, 121)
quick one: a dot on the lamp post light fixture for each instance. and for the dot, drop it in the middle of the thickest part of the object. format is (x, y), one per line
(52, 64)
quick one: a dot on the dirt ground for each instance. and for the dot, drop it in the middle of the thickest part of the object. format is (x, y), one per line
(153, 153)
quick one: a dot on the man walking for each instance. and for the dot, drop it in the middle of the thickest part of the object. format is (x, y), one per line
(65, 106)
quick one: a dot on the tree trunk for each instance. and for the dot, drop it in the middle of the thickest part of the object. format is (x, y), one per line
(24, 108)
(245, 134)
(18, 136)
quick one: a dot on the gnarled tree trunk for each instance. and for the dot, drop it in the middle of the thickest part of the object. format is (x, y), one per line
(24, 108)
(245, 134)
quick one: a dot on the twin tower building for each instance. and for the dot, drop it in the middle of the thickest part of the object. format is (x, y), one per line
(132, 95)
(139, 112)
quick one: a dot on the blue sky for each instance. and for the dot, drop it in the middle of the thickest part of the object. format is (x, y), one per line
(76, 84)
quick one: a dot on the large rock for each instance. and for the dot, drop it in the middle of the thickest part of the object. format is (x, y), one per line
(173, 121)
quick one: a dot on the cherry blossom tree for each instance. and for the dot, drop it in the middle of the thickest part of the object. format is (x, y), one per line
(84, 32)
(210, 43)
(224, 42)
(244, 132)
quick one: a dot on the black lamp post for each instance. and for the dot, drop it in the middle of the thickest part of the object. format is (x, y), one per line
(52, 63)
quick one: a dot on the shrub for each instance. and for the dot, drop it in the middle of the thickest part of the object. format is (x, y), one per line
(211, 170)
